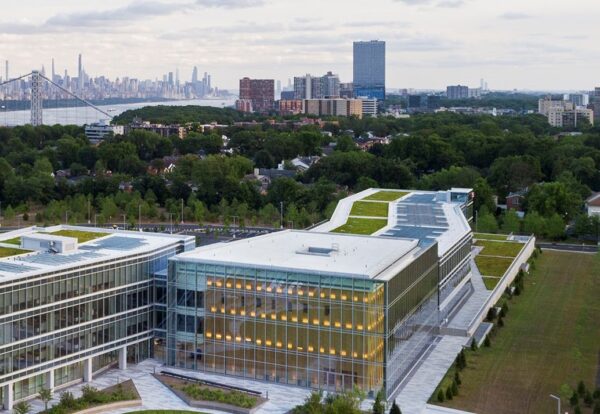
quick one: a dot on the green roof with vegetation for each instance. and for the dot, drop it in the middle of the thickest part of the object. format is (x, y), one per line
(546, 344)
(488, 236)
(386, 195)
(362, 226)
(492, 265)
(81, 236)
(499, 248)
(490, 282)
(369, 209)
(9, 251)
(14, 240)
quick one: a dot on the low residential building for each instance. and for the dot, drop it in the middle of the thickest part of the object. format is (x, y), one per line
(290, 107)
(369, 107)
(99, 131)
(334, 107)
(514, 200)
(562, 118)
(592, 205)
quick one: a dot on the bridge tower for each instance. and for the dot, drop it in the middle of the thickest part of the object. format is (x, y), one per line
(36, 99)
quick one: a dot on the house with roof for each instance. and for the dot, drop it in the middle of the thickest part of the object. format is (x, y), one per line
(514, 200)
(592, 205)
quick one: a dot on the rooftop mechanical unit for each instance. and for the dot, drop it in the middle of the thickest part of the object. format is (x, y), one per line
(49, 243)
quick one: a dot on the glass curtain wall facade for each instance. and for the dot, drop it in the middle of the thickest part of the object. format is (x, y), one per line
(322, 331)
(54, 321)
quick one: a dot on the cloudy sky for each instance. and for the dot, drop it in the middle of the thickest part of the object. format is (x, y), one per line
(523, 44)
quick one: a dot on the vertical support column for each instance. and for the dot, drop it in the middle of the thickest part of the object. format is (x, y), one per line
(7, 392)
(36, 99)
(87, 370)
(123, 358)
(49, 381)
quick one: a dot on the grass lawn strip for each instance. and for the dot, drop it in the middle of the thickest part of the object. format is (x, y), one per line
(385, 196)
(487, 236)
(369, 209)
(492, 265)
(499, 248)
(81, 236)
(9, 251)
(361, 226)
(549, 342)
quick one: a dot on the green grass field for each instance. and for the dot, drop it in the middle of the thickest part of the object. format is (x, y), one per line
(9, 251)
(487, 236)
(386, 196)
(492, 266)
(82, 236)
(361, 226)
(499, 248)
(548, 344)
(369, 209)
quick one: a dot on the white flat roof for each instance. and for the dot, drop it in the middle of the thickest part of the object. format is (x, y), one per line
(350, 255)
(113, 245)
(447, 236)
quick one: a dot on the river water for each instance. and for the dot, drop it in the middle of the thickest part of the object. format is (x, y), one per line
(88, 115)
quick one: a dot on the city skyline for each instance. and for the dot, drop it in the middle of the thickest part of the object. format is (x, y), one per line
(265, 39)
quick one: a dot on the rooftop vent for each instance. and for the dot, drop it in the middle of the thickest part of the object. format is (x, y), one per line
(49, 243)
(320, 251)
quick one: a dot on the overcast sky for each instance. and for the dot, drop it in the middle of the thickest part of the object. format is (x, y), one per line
(523, 44)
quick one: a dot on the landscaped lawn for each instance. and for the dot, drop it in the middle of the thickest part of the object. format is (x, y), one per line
(492, 266)
(499, 248)
(487, 236)
(549, 342)
(361, 226)
(82, 236)
(369, 209)
(386, 195)
(9, 251)
(490, 282)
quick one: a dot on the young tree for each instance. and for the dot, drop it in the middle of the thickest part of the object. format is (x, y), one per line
(511, 222)
(581, 388)
(457, 379)
(449, 393)
(473, 345)
(440, 395)
(395, 409)
(454, 388)
(45, 396)
(486, 342)
(379, 405)
(486, 223)
(574, 400)
(22, 407)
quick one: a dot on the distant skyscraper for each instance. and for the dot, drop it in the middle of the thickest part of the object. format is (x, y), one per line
(80, 73)
(171, 82)
(330, 85)
(6, 73)
(369, 69)
(457, 92)
(195, 75)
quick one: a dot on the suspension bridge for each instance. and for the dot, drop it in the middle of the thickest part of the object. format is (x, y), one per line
(36, 100)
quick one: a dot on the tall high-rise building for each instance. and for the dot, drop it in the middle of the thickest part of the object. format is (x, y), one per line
(257, 95)
(80, 73)
(330, 85)
(195, 75)
(311, 87)
(457, 92)
(53, 72)
(369, 69)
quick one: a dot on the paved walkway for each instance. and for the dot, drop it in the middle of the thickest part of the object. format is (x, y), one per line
(413, 397)
(471, 307)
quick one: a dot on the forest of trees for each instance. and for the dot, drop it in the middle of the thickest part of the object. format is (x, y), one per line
(495, 156)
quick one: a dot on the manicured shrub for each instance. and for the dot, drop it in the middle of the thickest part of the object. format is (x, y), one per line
(440, 396)
(581, 388)
(473, 345)
(235, 398)
(491, 314)
(486, 342)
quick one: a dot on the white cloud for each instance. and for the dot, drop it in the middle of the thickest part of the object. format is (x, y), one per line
(230, 4)
(515, 16)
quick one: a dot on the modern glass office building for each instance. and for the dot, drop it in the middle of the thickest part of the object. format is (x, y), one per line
(70, 310)
(319, 309)
(369, 69)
